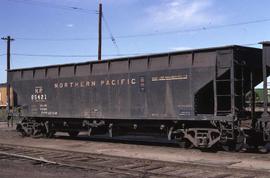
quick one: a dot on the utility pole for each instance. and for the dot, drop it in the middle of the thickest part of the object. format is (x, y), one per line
(8, 39)
(100, 31)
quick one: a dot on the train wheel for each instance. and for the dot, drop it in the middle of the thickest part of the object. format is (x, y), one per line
(21, 130)
(229, 146)
(264, 149)
(234, 147)
(185, 144)
(241, 147)
(73, 133)
(22, 133)
(50, 134)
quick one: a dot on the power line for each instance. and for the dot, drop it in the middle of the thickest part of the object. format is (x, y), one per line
(56, 6)
(50, 55)
(110, 33)
(56, 39)
(94, 55)
(196, 29)
(151, 34)
(71, 56)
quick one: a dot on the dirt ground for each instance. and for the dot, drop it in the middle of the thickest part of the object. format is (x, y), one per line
(160, 153)
(20, 169)
(12, 169)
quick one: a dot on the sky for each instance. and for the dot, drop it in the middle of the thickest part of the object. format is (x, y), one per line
(50, 32)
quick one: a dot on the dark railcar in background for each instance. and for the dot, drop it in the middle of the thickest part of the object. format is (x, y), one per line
(195, 96)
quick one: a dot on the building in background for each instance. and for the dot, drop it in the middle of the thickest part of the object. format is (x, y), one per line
(3, 96)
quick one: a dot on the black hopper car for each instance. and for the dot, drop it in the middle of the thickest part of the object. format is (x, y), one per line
(195, 97)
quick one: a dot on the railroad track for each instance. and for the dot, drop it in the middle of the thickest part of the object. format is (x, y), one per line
(109, 166)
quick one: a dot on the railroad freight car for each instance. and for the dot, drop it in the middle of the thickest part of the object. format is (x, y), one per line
(196, 97)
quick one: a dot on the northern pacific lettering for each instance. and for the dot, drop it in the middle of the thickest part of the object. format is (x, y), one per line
(93, 83)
